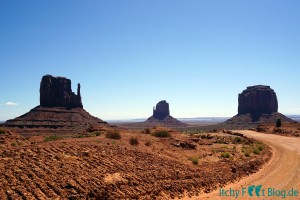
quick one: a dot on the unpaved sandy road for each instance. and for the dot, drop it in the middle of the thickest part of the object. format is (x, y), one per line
(282, 172)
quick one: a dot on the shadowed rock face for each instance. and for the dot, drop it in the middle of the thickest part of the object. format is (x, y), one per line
(161, 111)
(57, 92)
(257, 100)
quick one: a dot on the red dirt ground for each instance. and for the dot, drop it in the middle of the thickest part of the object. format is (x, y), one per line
(97, 167)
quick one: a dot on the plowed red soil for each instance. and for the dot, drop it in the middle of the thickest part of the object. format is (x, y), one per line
(102, 168)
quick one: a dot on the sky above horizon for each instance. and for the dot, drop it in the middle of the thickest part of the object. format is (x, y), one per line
(128, 55)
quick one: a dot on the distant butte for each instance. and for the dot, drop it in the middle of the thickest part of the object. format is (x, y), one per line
(161, 116)
(60, 111)
(258, 104)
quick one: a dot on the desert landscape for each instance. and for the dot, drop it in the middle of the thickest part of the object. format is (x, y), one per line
(59, 151)
(149, 100)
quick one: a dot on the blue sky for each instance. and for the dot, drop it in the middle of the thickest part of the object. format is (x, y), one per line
(128, 55)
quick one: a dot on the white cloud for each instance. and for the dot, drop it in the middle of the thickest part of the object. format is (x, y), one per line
(11, 104)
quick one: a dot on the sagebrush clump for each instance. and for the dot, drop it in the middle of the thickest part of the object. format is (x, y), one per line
(52, 138)
(147, 131)
(161, 134)
(225, 155)
(2, 131)
(113, 135)
(133, 141)
(195, 160)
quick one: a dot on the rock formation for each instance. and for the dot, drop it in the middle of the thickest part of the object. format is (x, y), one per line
(161, 116)
(57, 92)
(257, 100)
(161, 111)
(60, 111)
(258, 104)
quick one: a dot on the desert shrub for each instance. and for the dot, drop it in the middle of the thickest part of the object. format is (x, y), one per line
(278, 123)
(247, 154)
(13, 144)
(133, 141)
(195, 160)
(237, 140)
(97, 133)
(206, 136)
(113, 135)
(260, 147)
(225, 155)
(147, 131)
(255, 151)
(147, 143)
(2, 131)
(161, 134)
(80, 136)
(52, 138)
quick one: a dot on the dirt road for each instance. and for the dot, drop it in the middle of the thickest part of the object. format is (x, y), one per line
(282, 172)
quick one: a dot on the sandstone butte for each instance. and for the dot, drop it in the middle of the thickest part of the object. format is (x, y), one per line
(60, 111)
(161, 116)
(257, 104)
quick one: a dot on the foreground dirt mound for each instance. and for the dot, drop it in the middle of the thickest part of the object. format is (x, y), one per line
(54, 120)
(102, 168)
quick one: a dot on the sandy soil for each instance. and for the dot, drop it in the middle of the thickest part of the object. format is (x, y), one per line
(282, 172)
(97, 167)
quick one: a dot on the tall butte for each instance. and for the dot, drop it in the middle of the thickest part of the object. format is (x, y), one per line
(57, 92)
(60, 110)
(258, 104)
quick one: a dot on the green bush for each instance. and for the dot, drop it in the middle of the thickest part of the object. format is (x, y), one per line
(225, 155)
(147, 131)
(52, 138)
(237, 140)
(13, 144)
(97, 133)
(278, 123)
(195, 160)
(260, 147)
(113, 135)
(133, 141)
(247, 154)
(255, 151)
(161, 134)
(2, 131)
